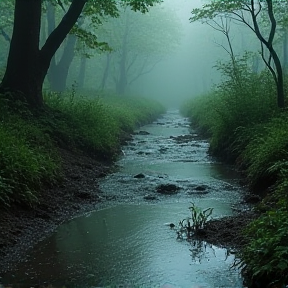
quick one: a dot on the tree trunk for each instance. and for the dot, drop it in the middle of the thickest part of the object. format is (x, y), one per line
(278, 74)
(24, 72)
(27, 66)
(82, 72)
(280, 80)
(106, 71)
(285, 51)
(121, 84)
(122, 81)
(59, 73)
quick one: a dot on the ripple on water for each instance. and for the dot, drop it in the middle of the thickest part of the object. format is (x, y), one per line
(128, 243)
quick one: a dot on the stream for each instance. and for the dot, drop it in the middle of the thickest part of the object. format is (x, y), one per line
(128, 242)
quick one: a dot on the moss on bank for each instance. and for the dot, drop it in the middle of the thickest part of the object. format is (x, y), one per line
(246, 128)
(29, 157)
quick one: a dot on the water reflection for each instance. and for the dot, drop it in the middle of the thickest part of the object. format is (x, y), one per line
(127, 244)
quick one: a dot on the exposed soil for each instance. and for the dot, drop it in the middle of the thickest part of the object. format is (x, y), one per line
(22, 227)
(227, 231)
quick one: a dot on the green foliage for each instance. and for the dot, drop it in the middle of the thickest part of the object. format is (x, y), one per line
(265, 258)
(27, 158)
(243, 99)
(266, 154)
(244, 124)
(216, 8)
(198, 217)
(132, 112)
(84, 123)
(29, 139)
(95, 125)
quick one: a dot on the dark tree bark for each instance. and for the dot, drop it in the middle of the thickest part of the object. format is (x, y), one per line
(58, 72)
(278, 72)
(24, 71)
(27, 65)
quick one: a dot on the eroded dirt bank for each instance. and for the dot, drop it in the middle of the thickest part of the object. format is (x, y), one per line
(23, 227)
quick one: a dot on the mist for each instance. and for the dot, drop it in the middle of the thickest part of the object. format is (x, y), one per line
(184, 70)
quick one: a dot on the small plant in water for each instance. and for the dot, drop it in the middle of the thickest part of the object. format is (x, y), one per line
(193, 225)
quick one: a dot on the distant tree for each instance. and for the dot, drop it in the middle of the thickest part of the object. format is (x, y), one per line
(6, 20)
(27, 63)
(139, 43)
(246, 12)
(77, 41)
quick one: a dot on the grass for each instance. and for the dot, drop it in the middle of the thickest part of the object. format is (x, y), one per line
(29, 143)
(245, 127)
(232, 107)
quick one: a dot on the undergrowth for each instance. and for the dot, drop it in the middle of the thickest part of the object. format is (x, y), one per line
(245, 127)
(29, 158)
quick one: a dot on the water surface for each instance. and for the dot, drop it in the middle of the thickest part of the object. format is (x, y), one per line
(128, 242)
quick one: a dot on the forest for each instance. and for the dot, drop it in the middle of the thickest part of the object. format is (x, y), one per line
(96, 89)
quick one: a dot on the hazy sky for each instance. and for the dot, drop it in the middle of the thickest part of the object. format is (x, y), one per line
(190, 70)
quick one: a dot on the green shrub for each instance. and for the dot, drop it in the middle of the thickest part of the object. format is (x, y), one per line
(131, 112)
(244, 125)
(265, 258)
(267, 151)
(233, 105)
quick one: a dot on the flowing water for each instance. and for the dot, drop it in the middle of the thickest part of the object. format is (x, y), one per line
(127, 243)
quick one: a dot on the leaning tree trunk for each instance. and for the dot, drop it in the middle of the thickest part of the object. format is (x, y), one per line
(277, 73)
(59, 73)
(27, 65)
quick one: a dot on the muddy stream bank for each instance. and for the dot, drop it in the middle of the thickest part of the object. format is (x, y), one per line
(125, 240)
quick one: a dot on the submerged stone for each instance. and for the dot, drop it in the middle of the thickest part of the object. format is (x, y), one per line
(143, 133)
(140, 175)
(167, 189)
(150, 197)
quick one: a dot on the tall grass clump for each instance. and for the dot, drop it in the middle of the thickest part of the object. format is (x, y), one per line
(27, 157)
(265, 258)
(266, 153)
(132, 112)
(95, 124)
(83, 123)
